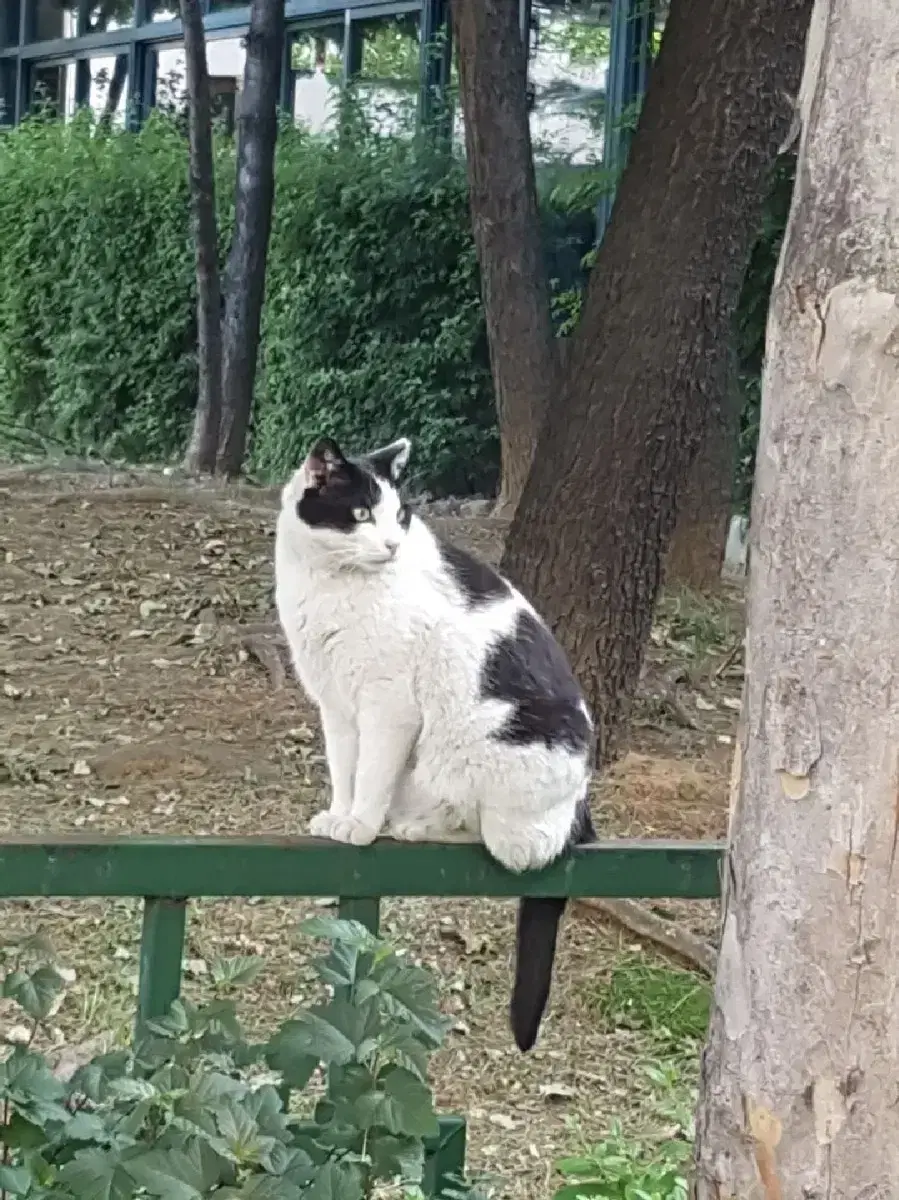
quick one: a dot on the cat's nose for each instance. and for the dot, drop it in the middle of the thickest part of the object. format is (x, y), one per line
(391, 546)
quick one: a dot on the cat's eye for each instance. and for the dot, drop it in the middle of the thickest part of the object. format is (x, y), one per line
(361, 514)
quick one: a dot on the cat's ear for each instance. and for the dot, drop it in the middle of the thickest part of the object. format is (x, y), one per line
(324, 460)
(390, 461)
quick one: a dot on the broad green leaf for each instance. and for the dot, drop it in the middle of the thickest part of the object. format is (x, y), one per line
(290, 1052)
(237, 971)
(21, 1134)
(313, 1034)
(14, 1181)
(338, 929)
(410, 993)
(97, 1175)
(177, 1174)
(402, 1104)
(337, 1180)
(393, 1156)
(35, 993)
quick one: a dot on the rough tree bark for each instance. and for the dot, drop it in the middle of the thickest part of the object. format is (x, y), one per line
(503, 200)
(202, 448)
(704, 508)
(800, 1075)
(257, 130)
(651, 348)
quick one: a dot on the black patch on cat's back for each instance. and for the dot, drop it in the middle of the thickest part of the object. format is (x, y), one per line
(529, 670)
(478, 582)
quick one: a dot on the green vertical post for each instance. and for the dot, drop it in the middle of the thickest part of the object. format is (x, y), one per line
(364, 909)
(445, 1159)
(161, 950)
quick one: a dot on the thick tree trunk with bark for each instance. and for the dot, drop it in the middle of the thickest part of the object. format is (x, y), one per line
(503, 199)
(202, 448)
(257, 130)
(696, 555)
(651, 348)
(799, 1090)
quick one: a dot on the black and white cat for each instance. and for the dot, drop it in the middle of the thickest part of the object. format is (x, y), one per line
(448, 708)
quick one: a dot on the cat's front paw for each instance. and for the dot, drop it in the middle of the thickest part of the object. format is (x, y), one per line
(342, 829)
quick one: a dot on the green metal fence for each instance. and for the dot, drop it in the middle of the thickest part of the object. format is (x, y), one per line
(167, 872)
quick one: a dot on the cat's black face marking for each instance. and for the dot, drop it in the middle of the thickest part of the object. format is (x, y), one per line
(478, 583)
(347, 489)
(405, 517)
(529, 670)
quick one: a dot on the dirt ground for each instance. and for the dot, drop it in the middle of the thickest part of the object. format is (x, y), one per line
(137, 694)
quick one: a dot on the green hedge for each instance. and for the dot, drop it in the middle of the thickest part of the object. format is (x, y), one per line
(372, 325)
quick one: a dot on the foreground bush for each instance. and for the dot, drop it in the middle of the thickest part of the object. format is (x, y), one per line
(194, 1110)
(372, 324)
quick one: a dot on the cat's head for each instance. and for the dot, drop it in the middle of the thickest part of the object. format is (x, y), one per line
(350, 509)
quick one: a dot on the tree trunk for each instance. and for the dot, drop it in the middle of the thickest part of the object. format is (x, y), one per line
(203, 446)
(651, 347)
(257, 130)
(116, 88)
(799, 1082)
(704, 509)
(503, 200)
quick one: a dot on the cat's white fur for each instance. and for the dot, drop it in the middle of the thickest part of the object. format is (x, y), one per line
(383, 643)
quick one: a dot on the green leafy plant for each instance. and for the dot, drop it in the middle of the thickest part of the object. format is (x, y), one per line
(372, 326)
(193, 1109)
(621, 1168)
(671, 1004)
(651, 1166)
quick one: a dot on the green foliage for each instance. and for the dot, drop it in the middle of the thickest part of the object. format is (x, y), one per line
(621, 1168)
(673, 1005)
(194, 1110)
(372, 326)
(644, 1167)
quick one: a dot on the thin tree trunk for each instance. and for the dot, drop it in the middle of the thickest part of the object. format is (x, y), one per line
(116, 88)
(257, 130)
(651, 347)
(203, 445)
(696, 555)
(799, 1081)
(503, 199)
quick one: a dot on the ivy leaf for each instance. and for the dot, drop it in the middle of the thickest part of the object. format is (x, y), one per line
(35, 993)
(237, 971)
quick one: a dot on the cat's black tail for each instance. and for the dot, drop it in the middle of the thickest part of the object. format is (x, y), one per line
(535, 947)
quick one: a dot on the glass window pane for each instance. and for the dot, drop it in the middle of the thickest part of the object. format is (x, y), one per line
(567, 71)
(225, 58)
(316, 60)
(7, 91)
(108, 87)
(9, 22)
(50, 19)
(53, 89)
(389, 73)
(101, 83)
(159, 10)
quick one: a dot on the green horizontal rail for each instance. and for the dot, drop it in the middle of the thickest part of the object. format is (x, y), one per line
(213, 866)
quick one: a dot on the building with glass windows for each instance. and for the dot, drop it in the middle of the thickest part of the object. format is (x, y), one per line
(588, 61)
